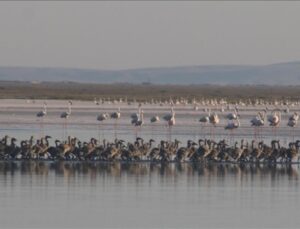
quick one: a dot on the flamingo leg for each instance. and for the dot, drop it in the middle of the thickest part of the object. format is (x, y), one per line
(135, 132)
(99, 132)
(140, 131)
(202, 131)
(115, 128)
(43, 127)
(63, 130)
(213, 132)
(102, 128)
(293, 134)
(254, 133)
(66, 129)
(152, 128)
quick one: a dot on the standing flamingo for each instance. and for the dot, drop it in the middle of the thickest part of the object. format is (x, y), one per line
(214, 120)
(204, 120)
(137, 120)
(65, 115)
(140, 121)
(257, 122)
(292, 122)
(170, 118)
(234, 115)
(274, 120)
(153, 120)
(41, 114)
(116, 116)
(101, 117)
(231, 126)
(136, 116)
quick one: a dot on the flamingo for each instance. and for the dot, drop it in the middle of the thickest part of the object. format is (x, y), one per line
(234, 115)
(258, 121)
(96, 102)
(232, 125)
(137, 119)
(170, 118)
(204, 120)
(41, 114)
(65, 115)
(140, 121)
(293, 120)
(153, 120)
(214, 120)
(101, 117)
(274, 120)
(136, 116)
(116, 116)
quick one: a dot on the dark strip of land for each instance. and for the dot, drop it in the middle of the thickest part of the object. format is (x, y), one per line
(141, 92)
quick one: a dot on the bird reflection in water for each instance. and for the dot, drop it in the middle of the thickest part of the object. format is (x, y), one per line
(70, 170)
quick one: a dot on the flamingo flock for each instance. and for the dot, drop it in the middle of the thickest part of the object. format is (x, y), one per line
(202, 151)
(211, 118)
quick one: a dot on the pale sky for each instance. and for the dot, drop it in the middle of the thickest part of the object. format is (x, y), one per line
(122, 35)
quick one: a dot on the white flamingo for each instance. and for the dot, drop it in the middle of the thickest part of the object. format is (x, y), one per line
(41, 114)
(293, 119)
(213, 120)
(65, 115)
(170, 119)
(204, 120)
(140, 120)
(116, 116)
(274, 120)
(257, 122)
(292, 122)
(101, 117)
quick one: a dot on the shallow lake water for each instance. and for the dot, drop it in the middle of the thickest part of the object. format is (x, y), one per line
(143, 195)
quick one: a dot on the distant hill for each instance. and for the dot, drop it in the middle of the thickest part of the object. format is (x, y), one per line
(274, 74)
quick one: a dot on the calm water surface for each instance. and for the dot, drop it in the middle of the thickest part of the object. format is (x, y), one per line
(143, 195)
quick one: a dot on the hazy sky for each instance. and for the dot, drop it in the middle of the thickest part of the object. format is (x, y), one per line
(118, 35)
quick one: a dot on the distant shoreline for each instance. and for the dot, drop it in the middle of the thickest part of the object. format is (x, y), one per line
(143, 92)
